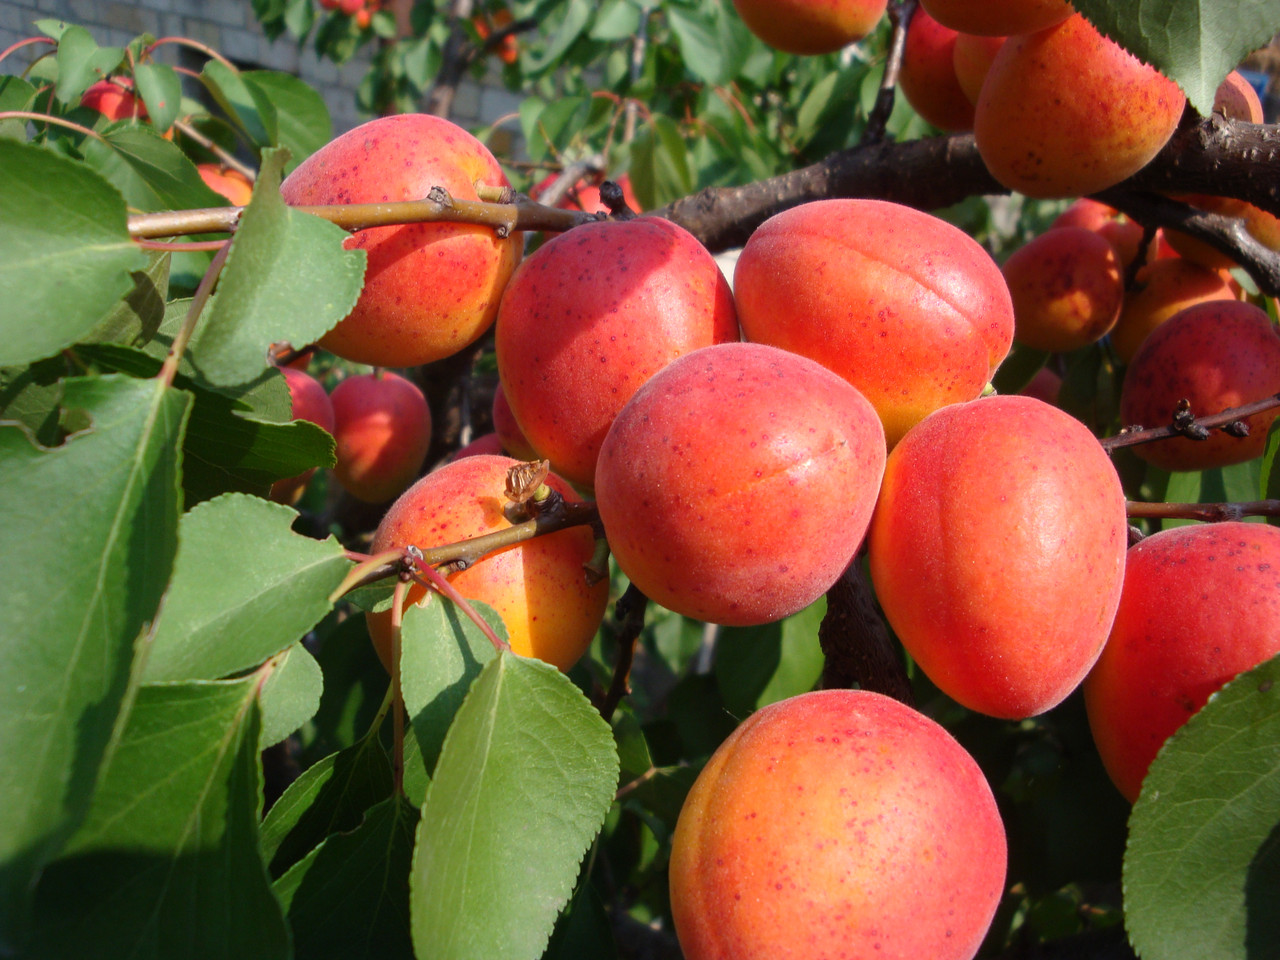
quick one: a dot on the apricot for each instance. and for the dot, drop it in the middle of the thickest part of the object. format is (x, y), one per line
(430, 289)
(485, 443)
(1066, 112)
(1067, 289)
(737, 484)
(997, 552)
(838, 823)
(1045, 385)
(232, 184)
(810, 26)
(538, 587)
(1171, 646)
(1123, 234)
(903, 305)
(998, 18)
(586, 196)
(509, 433)
(310, 402)
(382, 426)
(592, 315)
(114, 99)
(971, 57)
(1217, 355)
(1163, 288)
(928, 78)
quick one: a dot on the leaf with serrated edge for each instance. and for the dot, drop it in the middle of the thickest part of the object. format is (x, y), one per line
(167, 863)
(349, 897)
(524, 781)
(291, 695)
(330, 796)
(245, 587)
(287, 278)
(302, 118)
(93, 531)
(1202, 868)
(1195, 43)
(64, 240)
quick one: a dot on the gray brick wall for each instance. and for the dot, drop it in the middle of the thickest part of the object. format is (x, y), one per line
(229, 27)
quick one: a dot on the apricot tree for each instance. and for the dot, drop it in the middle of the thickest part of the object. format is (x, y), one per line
(204, 751)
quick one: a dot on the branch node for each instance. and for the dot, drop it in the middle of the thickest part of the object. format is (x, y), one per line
(441, 196)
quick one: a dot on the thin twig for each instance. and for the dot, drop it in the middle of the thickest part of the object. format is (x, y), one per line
(1132, 436)
(629, 610)
(900, 14)
(170, 367)
(1207, 512)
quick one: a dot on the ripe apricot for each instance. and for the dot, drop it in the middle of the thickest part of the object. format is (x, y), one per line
(997, 552)
(1163, 288)
(538, 587)
(309, 402)
(430, 288)
(114, 99)
(737, 484)
(1217, 355)
(839, 823)
(928, 78)
(1171, 646)
(232, 184)
(1067, 289)
(593, 314)
(1066, 112)
(509, 433)
(903, 305)
(810, 26)
(971, 57)
(998, 18)
(382, 426)
(1123, 234)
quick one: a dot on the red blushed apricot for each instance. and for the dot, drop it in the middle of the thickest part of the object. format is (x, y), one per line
(971, 57)
(997, 552)
(1123, 234)
(382, 426)
(1163, 288)
(509, 434)
(903, 305)
(309, 402)
(592, 315)
(928, 78)
(1045, 385)
(839, 823)
(232, 184)
(1170, 649)
(1067, 289)
(810, 26)
(485, 443)
(736, 485)
(1217, 355)
(1066, 112)
(538, 587)
(430, 288)
(114, 99)
(998, 18)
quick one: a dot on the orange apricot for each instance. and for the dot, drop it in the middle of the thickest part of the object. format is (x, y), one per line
(810, 26)
(928, 77)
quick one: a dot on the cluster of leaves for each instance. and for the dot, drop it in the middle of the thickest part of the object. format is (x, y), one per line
(170, 630)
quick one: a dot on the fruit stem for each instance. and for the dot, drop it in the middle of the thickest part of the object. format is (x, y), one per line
(170, 367)
(900, 14)
(432, 579)
(629, 612)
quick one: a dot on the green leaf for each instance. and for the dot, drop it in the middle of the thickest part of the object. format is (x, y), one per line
(615, 20)
(134, 320)
(523, 784)
(63, 240)
(15, 94)
(1233, 484)
(441, 653)
(287, 278)
(1202, 869)
(151, 172)
(302, 119)
(247, 104)
(699, 43)
(244, 588)
(583, 931)
(1194, 42)
(92, 531)
(331, 796)
(167, 864)
(757, 666)
(577, 14)
(161, 90)
(291, 695)
(32, 396)
(660, 163)
(814, 106)
(81, 62)
(233, 442)
(349, 899)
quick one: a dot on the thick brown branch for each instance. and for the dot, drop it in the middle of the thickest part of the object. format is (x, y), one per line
(858, 649)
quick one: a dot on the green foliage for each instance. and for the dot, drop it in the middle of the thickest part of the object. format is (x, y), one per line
(1203, 863)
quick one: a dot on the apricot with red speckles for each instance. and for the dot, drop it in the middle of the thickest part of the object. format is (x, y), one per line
(1123, 234)
(997, 552)
(512, 438)
(382, 426)
(1170, 647)
(1066, 112)
(1217, 355)
(1067, 289)
(928, 78)
(592, 315)
(430, 288)
(839, 823)
(1162, 289)
(737, 484)
(903, 305)
(810, 26)
(538, 587)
